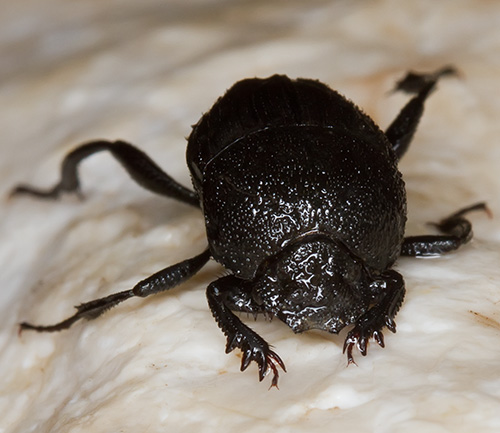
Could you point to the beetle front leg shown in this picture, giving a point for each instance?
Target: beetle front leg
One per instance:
(378, 316)
(254, 347)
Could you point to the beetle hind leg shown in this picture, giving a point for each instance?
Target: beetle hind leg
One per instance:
(139, 166)
(220, 295)
(414, 82)
(402, 129)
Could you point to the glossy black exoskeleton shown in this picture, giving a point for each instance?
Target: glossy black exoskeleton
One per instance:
(303, 204)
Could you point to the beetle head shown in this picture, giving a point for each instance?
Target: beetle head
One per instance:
(315, 283)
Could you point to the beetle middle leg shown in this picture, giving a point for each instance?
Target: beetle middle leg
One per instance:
(457, 229)
(402, 129)
(156, 283)
(378, 316)
(139, 165)
(254, 347)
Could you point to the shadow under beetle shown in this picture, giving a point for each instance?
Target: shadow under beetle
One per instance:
(303, 205)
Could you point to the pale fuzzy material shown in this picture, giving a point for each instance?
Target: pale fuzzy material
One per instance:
(145, 71)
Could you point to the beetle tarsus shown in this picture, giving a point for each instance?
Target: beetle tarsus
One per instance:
(88, 310)
(256, 349)
(457, 232)
(51, 194)
(414, 82)
(267, 361)
(348, 346)
(275, 361)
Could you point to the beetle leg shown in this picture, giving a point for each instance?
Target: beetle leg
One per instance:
(240, 299)
(457, 229)
(402, 129)
(139, 166)
(159, 282)
(254, 347)
(377, 317)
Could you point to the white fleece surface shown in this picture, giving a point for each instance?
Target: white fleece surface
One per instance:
(144, 71)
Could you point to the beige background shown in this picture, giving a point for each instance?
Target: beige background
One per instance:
(145, 71)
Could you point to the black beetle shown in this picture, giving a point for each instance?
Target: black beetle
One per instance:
(303, 205)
